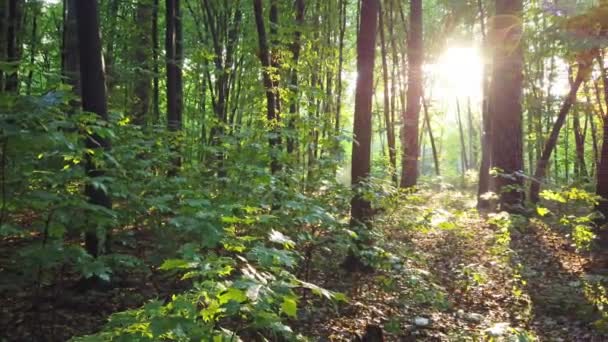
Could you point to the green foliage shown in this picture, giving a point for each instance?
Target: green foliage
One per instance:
(572, 209)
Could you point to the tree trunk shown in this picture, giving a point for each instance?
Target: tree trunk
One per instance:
(602, 173)
(70, 67)
(343, 7)
(431, 137)
(390, 132)
(505, 106)
(156, 76)
(463, 147)
(361, 150)
(33, 45)
(486, 140)
(272, 113)
(174, 71)
(296, 47)
(409, 131)
(542, 163)
(94, 100)
(13, 43)
(143, 47)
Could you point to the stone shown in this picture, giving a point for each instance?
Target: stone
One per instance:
(422, 322)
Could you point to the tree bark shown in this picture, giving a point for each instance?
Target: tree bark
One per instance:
(390, 132)
(505, 106)
(272, 113)
(602, 172)
(174, 71)
(143, 47)
(13, 43)
(156, 76)
(361, 150)
(463, 147)
(70, 67)
(94, 100)
(409, 131)
(431, 137)
(296, 47)
(486, 140)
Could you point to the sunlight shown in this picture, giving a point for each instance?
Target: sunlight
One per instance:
(457, 73)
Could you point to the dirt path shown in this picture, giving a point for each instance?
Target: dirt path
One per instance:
(464, 279)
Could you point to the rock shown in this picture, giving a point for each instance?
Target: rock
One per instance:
(498, 329)
(473, 317)
(422, 322)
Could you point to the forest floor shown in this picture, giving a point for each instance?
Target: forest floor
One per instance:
(463, 277)
(449, 275)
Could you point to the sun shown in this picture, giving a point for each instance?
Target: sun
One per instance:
(457, 73)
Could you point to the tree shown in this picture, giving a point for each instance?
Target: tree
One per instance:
(409, 131)
(13, 43)
(361, 153)
(144, 20)
(174, 65)
(272, 93)
(93, 80)
(70, 57)
(551, 142)
(505, 106)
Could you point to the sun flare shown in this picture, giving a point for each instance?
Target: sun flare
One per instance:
(457, 73)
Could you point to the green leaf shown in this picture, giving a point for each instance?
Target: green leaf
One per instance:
(542, 212)
(289, 307)
(172, 264)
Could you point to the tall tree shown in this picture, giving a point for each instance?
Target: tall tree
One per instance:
(143, 48)
(543, 162)
(484, 165)
(94, 100)
(70, 55)
(174, 64)
(361, 151)
(505, 106)
(272, 93)
(13, 43)
(409, 131)
(296, 47)
(390, 132)
(602, 172)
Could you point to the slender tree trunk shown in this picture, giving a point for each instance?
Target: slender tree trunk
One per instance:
(463, 146)
(295, 49)
(33, 45)
(541, 164)
(361, 150)
(156, 71)
(143, 47)
(409, 132)
(70, 68)
(93, 100)
(486, 140)
(110, 40)
(174, 49)
(427, 119)
(3, 38)
(272, 115)
(174, 96)
(13, 43)
(505, 106)
(472, 133)
(602, 172)
(343, 6)
(390, 132)
(579, 138)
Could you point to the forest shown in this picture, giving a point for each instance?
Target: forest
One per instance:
(304, 170)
